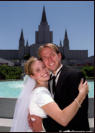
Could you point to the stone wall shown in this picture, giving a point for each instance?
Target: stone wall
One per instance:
(7, 107)
(78, 54)
(9, 54)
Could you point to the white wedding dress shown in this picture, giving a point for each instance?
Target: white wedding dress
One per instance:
(40, 96)
(30, 100)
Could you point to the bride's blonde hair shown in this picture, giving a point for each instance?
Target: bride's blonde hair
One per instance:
(27, 66)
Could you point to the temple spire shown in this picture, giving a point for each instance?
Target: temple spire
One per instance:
(44, 19)
(66, 42)
(27, 43)
(60, 43)
(21, 36)
(66, 36)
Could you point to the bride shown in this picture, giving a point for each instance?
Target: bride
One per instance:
(36, 99)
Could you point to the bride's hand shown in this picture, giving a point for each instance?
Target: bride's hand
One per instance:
(83, 88)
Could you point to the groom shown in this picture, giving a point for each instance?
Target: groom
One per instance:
(63, 91)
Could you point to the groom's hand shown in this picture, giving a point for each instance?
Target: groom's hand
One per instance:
(35, 123)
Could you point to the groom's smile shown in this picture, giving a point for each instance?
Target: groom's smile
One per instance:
(51, 59)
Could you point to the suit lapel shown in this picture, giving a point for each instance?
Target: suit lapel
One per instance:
(61, 78)
(49, 83)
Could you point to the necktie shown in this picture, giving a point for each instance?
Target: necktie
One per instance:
(54, 82)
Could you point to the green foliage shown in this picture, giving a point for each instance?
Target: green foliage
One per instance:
(88, 71)
(10, 72)
(27, 56)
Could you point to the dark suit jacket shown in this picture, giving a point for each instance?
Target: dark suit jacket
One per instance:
(66, 91)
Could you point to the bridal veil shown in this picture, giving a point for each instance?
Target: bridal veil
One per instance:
(20, 118)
